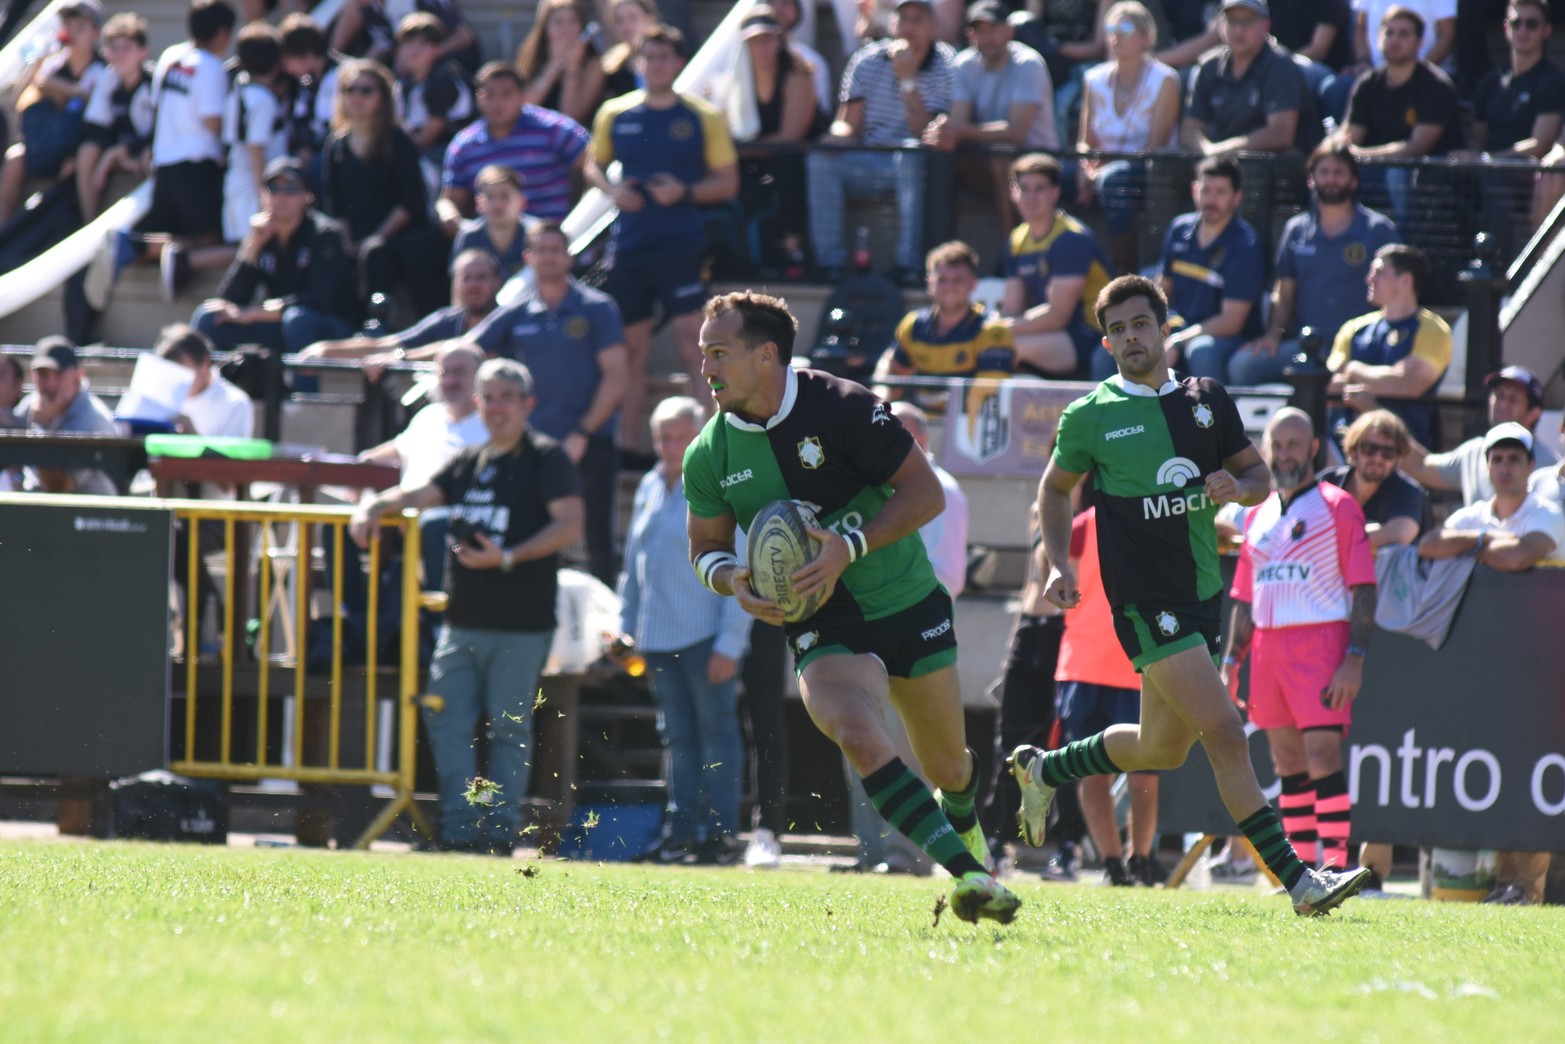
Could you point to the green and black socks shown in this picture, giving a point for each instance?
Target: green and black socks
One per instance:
(1264, 832)
(1088, 757)
(907, 804)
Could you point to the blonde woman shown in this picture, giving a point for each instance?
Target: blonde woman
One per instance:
(1129, 103)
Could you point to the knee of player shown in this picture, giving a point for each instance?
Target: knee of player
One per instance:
(953, 773)
(1226, 740)
(1165, 757)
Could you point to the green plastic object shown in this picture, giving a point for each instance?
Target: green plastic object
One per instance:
(208, 446)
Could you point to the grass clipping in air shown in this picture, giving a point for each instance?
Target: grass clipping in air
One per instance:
(130, 941)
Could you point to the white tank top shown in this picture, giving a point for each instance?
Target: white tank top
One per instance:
(1128, 132)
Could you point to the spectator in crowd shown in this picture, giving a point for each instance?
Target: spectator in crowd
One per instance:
(502, 224)
(372, 184)
(953, 337)
(1322, 263)
(61, 403)
(298, 257)
(365, 29)
(435, 435)
(1068, 33)
(560, 61)
(1249, 95)
(1001, 96)
(1548, 481)
(475, 282)
(1401, 350)
(675, 156)
(945, 536)
(515, 504)
(693, 641)
(572, 337)
(1518, 111)
(312, 67)
(1396, 510)
(1098, 688)
(1129, 103)
(1436, 36)
(118, 131)
(891, 91)
(545, 148)
(1193, 35)
(187, 155)
(1319, 31)
(1304, 606)
(1212, 271)
(1403, 110)
(1053, 267)
(433, 98)
(1515, 394)
(10, 391)
(51, 98)
(628, 19)
(787, 14)
(212, 406)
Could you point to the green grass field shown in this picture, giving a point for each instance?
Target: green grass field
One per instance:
(123, 941)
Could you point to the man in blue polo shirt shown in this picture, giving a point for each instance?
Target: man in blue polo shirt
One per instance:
(541, 145)
(1212, 272)
(1322, 263)
(571, 339)
(1054, 269)
(675, 155)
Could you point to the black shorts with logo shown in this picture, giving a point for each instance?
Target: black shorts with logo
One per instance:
(639, 283)
(1149, 633)
(909, 643)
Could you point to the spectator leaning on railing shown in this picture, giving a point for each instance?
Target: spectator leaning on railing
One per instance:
(60, 403)
(514, 506)
(1515, 394)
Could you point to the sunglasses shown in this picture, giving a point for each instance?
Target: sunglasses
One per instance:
(1376, 449)
(284, 188)
(1524, 23)
(364, 89)
(1119, 28)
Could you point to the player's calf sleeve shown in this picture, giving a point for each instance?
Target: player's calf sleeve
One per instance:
(1333, 815)
(1264, 832)
(958, 804)
(1088, 757)
(907, 804)
(1297, 804)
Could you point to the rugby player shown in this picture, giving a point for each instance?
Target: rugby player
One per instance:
(1165, 454)
(884, 629)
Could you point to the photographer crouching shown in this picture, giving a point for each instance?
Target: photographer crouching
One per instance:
(515, 503)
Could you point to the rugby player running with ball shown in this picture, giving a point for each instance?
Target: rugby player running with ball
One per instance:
(1164, 454)
(884, 627)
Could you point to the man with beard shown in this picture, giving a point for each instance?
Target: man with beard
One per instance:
(1304, 600)
(1322, 263)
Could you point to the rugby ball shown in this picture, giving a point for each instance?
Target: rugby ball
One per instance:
(779, 544)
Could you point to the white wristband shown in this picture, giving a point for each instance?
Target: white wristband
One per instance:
(709, 562)
(858, 544)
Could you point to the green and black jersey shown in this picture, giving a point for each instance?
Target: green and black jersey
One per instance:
(1150, 452)
(833, 446)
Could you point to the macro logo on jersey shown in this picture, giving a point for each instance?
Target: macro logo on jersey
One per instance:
(810, 453)
(1204, 418)
(1177, 471)
(1168, 623)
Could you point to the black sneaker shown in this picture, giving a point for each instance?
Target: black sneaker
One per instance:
(1062, 866)
(1116, 875)
(1148, 871)
(723, 850)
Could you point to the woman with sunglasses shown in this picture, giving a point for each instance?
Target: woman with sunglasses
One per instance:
(1129, 104)
(371, 182)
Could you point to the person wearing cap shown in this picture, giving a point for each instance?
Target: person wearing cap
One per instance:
(1002, 96)
(298, 257)
(1511, 531)
(50, 101)
(1249, 96)
(1515, 394)
(891, 91)
(1548, 480)
(1400, 351)
(60, 403)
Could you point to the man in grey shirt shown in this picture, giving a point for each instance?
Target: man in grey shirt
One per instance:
(61, 404)
(1249, 95)
(1001, 95)
(1515, 394)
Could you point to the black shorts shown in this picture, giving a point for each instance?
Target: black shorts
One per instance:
(187, 200)
(640, 282)
(1149, 633)
(910, 643)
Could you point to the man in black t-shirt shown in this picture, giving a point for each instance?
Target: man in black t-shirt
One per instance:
(1249, 95)
(515, 504)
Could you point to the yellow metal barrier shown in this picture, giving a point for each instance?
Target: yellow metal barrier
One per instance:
(328, 769)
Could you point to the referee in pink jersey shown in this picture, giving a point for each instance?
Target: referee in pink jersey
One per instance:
(1304, 606)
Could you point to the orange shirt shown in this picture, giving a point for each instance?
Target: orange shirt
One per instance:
(1090, 651)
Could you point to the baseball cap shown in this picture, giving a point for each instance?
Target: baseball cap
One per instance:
(91, 10)
(1522, 376)
(987, 11)
(927, 5)
(283, 167)
(1510, 431)
(761, 21)
(1260, 7)
(54, 353)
